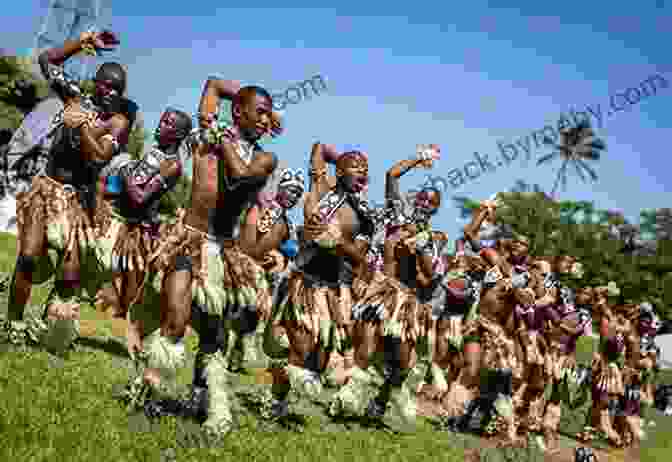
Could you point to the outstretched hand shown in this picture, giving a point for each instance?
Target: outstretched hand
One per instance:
(427, 154)
(93, 42)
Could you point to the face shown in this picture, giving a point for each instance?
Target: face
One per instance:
(353, 173)
(108, 88)
(519, 249)
(169, 130)
(564, 264)
(253, 117)
(288, 197)
(428, 202)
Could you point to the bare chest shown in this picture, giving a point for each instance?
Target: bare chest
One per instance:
(348, 220)
(205, 178)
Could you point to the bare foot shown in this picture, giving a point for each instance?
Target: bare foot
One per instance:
(63, 311)
(152, 377)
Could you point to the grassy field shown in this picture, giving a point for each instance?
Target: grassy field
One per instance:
(54, 408)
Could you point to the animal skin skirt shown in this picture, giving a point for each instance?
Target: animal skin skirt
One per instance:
(57, 206)
(225, 281)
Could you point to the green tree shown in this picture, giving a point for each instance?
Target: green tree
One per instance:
(20, 91)
(555, 229)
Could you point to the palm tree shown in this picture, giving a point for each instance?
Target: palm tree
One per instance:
(577, 145)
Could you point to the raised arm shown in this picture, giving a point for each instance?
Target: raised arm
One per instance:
(89, 41)
(424, 158)
(392, 191)
(320, 156)
(214, 91)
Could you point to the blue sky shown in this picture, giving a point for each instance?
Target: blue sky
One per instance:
(399, 76)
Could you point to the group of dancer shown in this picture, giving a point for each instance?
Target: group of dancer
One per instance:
(356, 283)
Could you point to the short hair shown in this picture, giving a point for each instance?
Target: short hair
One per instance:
(184, 118)
(245, 93)
(115, 68)
(346, 156)
(428, 189)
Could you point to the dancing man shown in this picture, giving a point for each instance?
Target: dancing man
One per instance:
(131, 232)
(59, 209)
(206, 275)
(268, 239)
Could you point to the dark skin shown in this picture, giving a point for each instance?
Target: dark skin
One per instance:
(250, 113)
(95, 145)
(214, 91)
(172, 129)
(301, 341)
(495, 258)
(128, 283)
(256, 244)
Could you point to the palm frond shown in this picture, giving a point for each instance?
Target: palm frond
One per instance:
(548, 157)
(588, 168)
(577, 168)
(562, 173)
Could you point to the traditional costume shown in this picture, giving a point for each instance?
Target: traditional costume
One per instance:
(275, 263)
(318, 294)
(63, 198)
(226, 284)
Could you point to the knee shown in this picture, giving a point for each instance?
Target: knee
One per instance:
(174, 323)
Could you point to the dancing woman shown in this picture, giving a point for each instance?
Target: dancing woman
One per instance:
(316, 307)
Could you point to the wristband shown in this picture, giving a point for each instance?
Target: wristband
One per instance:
(113, 184)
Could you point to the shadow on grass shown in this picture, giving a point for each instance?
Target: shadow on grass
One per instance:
(111, 346)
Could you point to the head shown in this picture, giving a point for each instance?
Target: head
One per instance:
(251, 111)
(352, 171)
(110, 85)
(564, 264)
(290, 188)
(428, 201)
(519, 248)
(174, 126)
(649, 323)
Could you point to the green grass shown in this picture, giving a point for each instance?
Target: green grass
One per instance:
(63, 409)
(55, 409)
